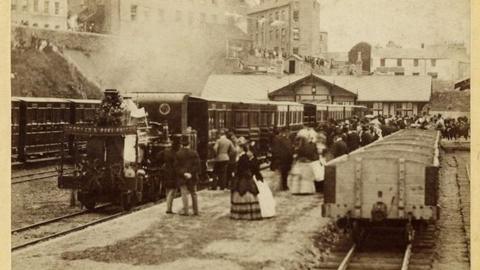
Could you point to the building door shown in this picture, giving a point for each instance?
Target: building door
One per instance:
(291, 66)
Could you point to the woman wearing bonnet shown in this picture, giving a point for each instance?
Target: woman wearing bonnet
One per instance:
(244, 200)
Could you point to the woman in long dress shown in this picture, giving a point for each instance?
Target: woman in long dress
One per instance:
(244, 200)
(302, 175)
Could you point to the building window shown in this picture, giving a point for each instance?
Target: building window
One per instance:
(46, 6)
(296, 15)
(416, 73)
(25, 6)
(277, 16)
(399, 62)
(133, 12)
(382, 62)
(433, 62)
(35, 25)
(57, 26)
(277, 34)
(270, 18)
(377, 108)
(284, 32)
(35, 5)
(295, 50)
(161, 15)
(46, 25)
(399, 73)
(433, 74)
(283, 15)
(214, 2)
(271, 35)
(57, 8)
(296, 33)
(415, 62)
(14, 5)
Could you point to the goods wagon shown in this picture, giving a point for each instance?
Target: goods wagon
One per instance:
(391, 182)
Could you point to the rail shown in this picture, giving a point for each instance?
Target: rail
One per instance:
(347, 259)
(406, 257)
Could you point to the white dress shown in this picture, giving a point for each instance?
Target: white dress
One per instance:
(265, 199)
(301, 178)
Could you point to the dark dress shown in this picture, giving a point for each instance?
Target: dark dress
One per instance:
(244, 201)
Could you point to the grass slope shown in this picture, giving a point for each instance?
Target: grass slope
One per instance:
(48, 74)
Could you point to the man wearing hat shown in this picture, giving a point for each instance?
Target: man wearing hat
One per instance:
(282, 156)
(187, 166)
(166, 159)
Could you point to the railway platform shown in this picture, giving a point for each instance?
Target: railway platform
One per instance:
(152, 239)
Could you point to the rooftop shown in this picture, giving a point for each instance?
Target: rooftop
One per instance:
(385, 88)
(249, 87)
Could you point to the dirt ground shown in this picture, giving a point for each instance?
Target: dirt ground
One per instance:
(151, 239)
(37, 201)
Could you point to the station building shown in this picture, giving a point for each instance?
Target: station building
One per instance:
(385, 95)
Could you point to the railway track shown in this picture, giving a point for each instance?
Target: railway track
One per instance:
(56, 227)
(384, 249)
(35, 176)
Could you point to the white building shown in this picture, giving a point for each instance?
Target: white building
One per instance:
(49, 14)
(441, 63)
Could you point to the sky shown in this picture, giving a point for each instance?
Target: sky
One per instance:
(408, 23)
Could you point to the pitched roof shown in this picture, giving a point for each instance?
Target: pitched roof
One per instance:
(385, 88)
(245, 87)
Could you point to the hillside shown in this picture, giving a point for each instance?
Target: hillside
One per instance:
(48, 74)
(450, 101)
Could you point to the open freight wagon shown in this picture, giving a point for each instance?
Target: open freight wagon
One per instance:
(391, 182)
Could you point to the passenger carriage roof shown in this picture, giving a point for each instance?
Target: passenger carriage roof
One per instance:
(43, 99)
(87, 101)
(151, 97)
(246, 101)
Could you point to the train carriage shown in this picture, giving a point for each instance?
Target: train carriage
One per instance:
(403, 191)
(42, 121)
(15, 129)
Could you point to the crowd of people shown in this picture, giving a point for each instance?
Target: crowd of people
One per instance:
(298, 158)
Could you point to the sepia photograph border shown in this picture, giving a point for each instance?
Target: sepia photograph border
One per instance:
(5, 169)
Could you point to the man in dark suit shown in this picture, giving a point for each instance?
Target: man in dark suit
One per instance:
(187, 166)
(339, 147)
(282, 156)
(353, 140)
(223, 148)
